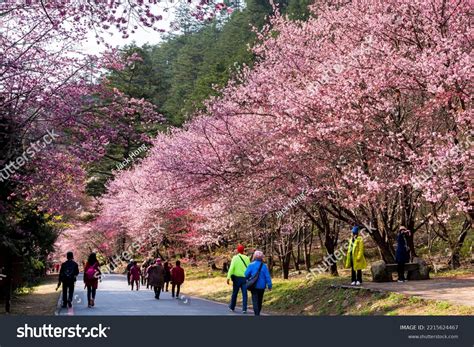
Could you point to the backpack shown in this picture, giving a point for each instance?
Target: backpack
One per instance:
(90, 273)
(252, 281)
(68, 274)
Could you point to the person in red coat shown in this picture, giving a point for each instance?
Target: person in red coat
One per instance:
(135, 275)
(177, 279)
(91, 278)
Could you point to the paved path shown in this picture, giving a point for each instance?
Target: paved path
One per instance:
(114, 298)
(458, 290)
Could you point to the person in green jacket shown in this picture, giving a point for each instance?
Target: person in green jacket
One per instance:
(236, 273)
(355, 258)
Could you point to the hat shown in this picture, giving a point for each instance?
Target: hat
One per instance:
(355, 229)
(158, 261)
(240, 249)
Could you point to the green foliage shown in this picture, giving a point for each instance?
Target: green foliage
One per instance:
(139, 80)
(29, 235)
(322, 295)
(467, 248)
(298, 9)
(179, 74)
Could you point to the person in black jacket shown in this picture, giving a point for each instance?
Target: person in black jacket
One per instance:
(167, 279)
(403, 253)
(129, 266)
(67, 277)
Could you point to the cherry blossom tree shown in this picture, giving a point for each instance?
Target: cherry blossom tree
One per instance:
(364, 108)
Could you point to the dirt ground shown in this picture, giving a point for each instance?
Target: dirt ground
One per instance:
(40, 300)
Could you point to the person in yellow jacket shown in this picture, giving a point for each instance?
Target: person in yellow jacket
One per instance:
(236, 273)
(355, 258)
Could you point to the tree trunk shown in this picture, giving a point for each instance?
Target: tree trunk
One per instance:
(307, 260)
(225, 267)
(455, 259)
(330, 248)
(295, 261)
(330, 231)
(408, 213)
(271, 260)
(298, 249)
(385, 248)
(308, 241)
(285, 251)
(285, 265)
(8, 271)
(411, 244)
(270, 264)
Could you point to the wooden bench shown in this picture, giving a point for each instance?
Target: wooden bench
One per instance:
(408, 267)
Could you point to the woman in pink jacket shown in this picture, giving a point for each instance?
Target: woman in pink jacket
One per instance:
(135, 275)
(91, 278)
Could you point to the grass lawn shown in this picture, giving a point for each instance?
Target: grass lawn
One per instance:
(452, 273)
(299, 296)
(39, 300)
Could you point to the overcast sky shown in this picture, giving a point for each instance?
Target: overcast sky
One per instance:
(141, 36)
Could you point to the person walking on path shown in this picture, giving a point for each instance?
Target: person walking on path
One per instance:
(167, 268)
(135, 275)
(156, 275)
(177, 279)
(258, 279)
(236, 273)
(146, 265)
(91, 278)
(143, 272)
(67, 277)
(129, 266)
(355, 259)
(403, 253)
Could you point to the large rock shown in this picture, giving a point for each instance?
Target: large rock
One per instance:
(422, 273)
(379, 272)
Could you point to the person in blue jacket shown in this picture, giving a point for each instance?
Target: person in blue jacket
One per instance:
(264, 280)
(403, 253)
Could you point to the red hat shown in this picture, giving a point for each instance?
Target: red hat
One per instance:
(240, 249)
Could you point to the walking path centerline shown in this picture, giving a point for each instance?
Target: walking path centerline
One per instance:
(114, 298)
